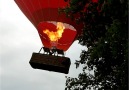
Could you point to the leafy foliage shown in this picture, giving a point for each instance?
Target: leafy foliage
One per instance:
(105, 34)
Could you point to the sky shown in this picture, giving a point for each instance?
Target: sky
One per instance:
(18, 40)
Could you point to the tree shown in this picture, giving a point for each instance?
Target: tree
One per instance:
(105, 34)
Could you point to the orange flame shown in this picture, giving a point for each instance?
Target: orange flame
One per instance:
(54, 36)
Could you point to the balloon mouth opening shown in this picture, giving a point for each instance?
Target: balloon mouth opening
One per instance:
(64, 40)
(54, 36)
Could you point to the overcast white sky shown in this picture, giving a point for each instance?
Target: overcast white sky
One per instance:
(18, 39)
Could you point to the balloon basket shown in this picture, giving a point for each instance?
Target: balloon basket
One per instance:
(50, 62)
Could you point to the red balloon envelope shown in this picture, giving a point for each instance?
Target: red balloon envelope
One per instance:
(43, 14)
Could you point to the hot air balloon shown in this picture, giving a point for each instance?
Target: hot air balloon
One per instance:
(56, 31)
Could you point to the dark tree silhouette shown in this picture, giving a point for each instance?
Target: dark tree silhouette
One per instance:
(105, 34)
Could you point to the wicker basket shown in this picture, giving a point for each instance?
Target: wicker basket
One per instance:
(50, 62)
